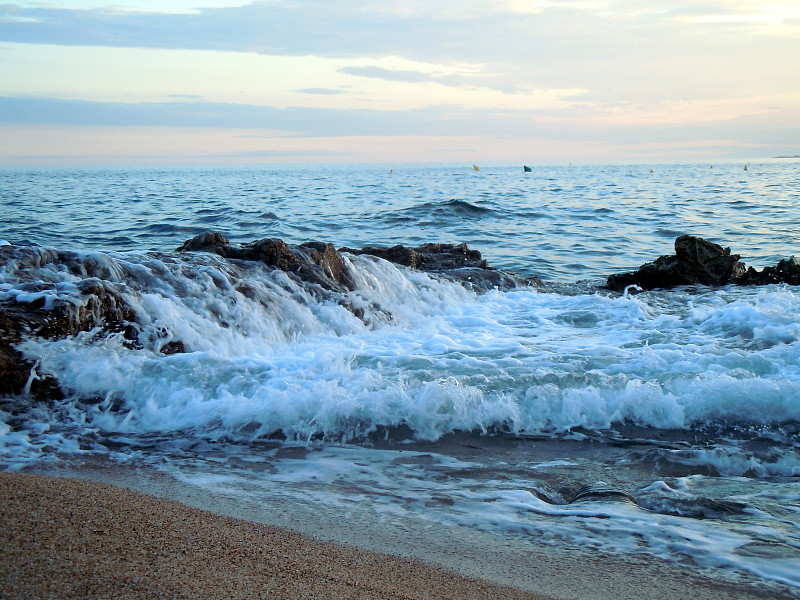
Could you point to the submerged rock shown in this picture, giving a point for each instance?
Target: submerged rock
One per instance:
(603, 492)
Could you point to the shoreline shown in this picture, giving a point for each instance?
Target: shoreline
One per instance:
(97, 529)
(65, 537)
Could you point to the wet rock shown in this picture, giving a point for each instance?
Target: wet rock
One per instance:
(399, 255)
(696, 508)
(313, 262)
(696, 261)
(175, 347)
(208, 241)
(786, 271)
(98, 304)
(453, 261)
(321, 264)
(329, 260)
(428, 257)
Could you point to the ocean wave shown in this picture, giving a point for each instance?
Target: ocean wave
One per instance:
(236, 350)
(438, 210)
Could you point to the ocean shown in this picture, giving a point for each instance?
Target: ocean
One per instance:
(662, 425)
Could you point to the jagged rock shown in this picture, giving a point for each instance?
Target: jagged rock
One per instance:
(786, 271)
(696, 261)
(99, 305)
(453, 261)
(428, 257)
(320, 263)
(313, 262)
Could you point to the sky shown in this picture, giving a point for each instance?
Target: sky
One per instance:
(167, 82)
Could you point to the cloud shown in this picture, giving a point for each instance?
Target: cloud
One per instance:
(389, 74)
(443, 121)
(566, 69)
(635, 50)
(321, 91)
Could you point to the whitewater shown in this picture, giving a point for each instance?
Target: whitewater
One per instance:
(660, 424)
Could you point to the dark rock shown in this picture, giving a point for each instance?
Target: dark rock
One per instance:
(321, 264)
(208, 241)
(428, 257)
(176, 347)
(99, 305)
(313, 262)
(696, 261)
(325, 256)
(786, 271)
(399, 255)
(14, 370)
(452, 261)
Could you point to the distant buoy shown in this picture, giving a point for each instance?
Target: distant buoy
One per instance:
(391, 170)
(476, 167)
(745, 167)
(526, 168)
(651, 170)
(712, 166)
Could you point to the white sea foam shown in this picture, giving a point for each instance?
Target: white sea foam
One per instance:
(274, 355)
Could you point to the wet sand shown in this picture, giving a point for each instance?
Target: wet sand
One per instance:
(70, 538)
(82, 538)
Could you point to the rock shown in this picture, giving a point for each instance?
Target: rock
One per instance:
(399, 255)
(696, 261)
(428, 257)
(313, 262)
(99, 304)
(786, 271)
(208, 241)
(452, 261)
(321, 264)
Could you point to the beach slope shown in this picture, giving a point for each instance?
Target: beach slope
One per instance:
(70, 538)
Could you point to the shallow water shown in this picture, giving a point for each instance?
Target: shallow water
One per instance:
(662, 424)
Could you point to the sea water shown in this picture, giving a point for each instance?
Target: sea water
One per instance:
(661, 424)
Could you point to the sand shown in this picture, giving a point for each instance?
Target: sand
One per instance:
(70, 538)
(87, 538)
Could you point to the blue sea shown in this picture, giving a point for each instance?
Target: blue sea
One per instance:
(661, 426)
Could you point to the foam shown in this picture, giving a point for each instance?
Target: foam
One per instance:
(428, 354)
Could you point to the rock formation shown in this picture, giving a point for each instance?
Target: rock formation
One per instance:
(319, 263)
(99, 302)
(699, 262)
(312, 262)
(456, 262)
(97, 305)
(786, 271)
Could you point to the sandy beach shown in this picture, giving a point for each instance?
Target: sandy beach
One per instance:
(68, 538)
(80, 538)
